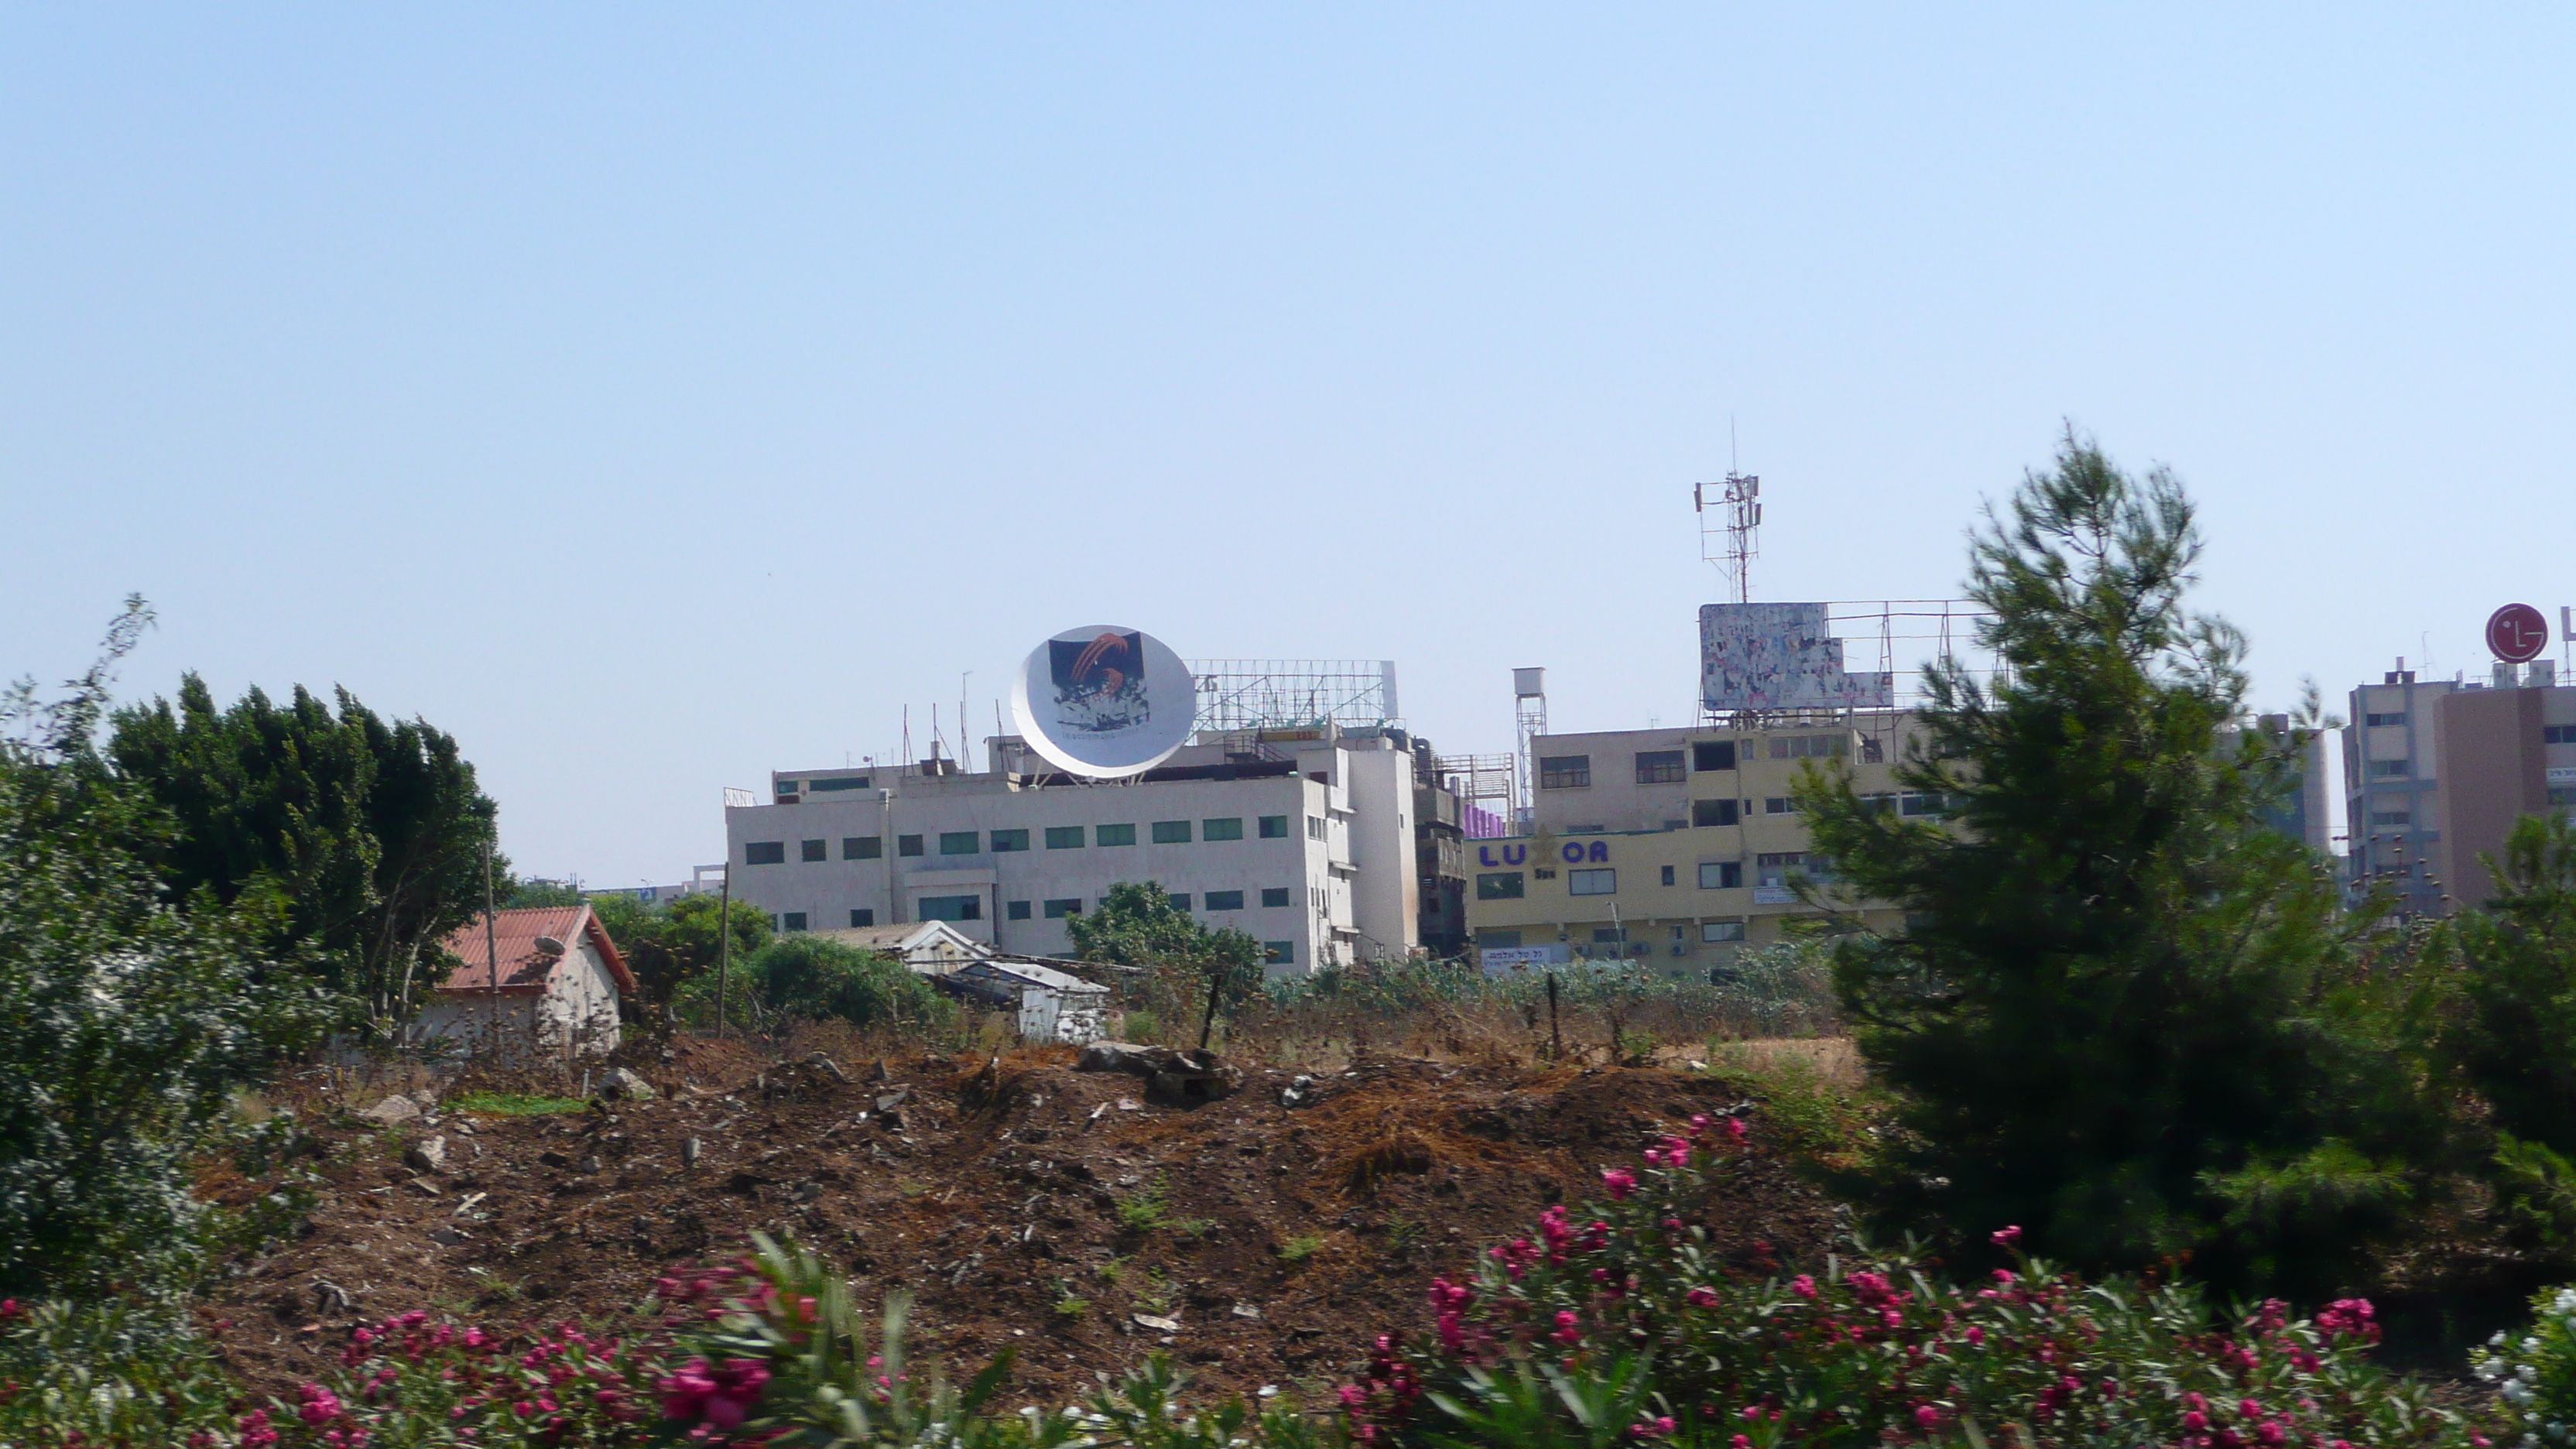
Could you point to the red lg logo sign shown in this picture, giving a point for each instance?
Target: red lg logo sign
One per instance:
(2517, 633)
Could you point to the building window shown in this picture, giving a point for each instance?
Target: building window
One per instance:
(843, 782)
(1713, 755)
(2387, 768)
(907, 845)
(863, 916)
(952, 908)
(1776, 868)
(1564, 772)
(862, 847)
(1499, 885)
(1005, 840)
(1716, 931)
(1668, 875)
(2558, 734)
(1225, 900)
(1278, 953)
(1180, 900)
(792, 921)
(1609, 936)
(1810, 747)
(1274, 896)
(1065, 837)
(1171, 832)
(1016, 910)
(1228, 828)
(1659, 767)
(1113, 835)
(1592, 882)
(2376, 720)
(786, 788)
(812, 850)
(1922, 802)
(1274, 827)
(2562, 795)
(1779, 805)
(1721, 875)
(1712, 812)
(1314, 827)
(764, 852)
(1058, 910)
(957, 842)
(2392, 817)
(1498, 939)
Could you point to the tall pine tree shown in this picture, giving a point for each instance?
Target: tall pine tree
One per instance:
(2118, 1017)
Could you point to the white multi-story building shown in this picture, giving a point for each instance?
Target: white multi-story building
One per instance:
(1305, 843)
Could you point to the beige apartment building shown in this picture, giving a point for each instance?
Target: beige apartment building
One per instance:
(2436, 772)
(1671, 847)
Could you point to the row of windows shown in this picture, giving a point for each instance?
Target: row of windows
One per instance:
(2376, 720)
(1664, 767)
(1713, 932)
(2558, 734)
(1004, 842)
(1771, 868)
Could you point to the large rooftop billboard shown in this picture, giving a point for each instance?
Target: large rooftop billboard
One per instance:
(1778, 656)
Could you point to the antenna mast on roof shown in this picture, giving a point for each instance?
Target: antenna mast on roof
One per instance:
(1730, 511)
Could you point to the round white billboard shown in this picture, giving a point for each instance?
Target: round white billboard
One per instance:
(1105, 702)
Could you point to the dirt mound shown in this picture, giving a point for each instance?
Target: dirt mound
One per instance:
(1022, 1202)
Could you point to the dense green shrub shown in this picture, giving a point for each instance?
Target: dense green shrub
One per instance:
(108, 1374)
(670, 944)
(2118, 1013)
(125, 1023)
(808, 978)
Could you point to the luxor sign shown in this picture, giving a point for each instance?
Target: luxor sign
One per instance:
(1573, 852)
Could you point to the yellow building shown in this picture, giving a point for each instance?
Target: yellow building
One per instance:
(1673, 847)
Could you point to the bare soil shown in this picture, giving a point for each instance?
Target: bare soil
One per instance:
(992, 1190)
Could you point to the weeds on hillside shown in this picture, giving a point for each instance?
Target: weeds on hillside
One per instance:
(514, 1104)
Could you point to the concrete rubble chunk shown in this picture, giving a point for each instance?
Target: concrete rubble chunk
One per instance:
(1159, 1325)
(427, 1155)
(621, 1083)
(393, 1109)
(1177, 1077)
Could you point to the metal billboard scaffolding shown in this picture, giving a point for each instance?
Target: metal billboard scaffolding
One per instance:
(1902, 635)
(1258, 694)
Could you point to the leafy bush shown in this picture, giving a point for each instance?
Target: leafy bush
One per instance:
(1622, 1321)
(807, 978)
(126, 1024)
(669, 945)
(414, 1380)
(2535, 1375)
(108, 1375)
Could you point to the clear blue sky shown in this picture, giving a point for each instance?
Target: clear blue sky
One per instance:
(654, 396)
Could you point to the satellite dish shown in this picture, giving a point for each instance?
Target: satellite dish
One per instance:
(549, 946)
(1104, 701)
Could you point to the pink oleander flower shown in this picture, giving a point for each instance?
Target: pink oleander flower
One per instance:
(1926, 1416)
(2006, 1237)
(1738, 1128)
(1569, 1328)
(1803, 1285)
(1619, 1182)
(1701, 1297)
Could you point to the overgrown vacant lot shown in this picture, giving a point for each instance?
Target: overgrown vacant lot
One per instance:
(1023, 1203)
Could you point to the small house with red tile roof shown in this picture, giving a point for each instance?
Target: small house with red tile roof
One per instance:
(541, 981)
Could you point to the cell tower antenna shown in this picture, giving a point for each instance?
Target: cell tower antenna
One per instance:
(1730, 513)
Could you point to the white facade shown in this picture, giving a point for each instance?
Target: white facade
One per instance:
(1306, 845)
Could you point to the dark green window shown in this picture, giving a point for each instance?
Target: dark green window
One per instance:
(1713, 755)
(952, 908)
(957, 842)
(844, 782)
(793, 921)
(813, 850)
(1274, 827)
(1004, 840)
(907, 845)
(862, 916)
(1274, 895)
(1279, 953)
(1113, 835)
(1016, 910)
(1712, 812)
(1171, 832)
(1058, 910)
(1180, 900)
(1065, 837)
(1225, 900)
(1228, 828)
(764, 852)
(862, 847)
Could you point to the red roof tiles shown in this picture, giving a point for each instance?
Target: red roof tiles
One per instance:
(523, 969)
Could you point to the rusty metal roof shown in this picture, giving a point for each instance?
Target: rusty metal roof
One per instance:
(522, 968)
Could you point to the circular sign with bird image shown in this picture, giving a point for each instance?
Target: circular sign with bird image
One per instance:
(1104, 702)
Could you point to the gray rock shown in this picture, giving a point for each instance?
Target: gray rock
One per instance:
(427, 1155)
(622, 1083)
(393, 1109)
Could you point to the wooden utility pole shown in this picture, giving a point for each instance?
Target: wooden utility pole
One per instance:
(724, 943)
(491, 945)
(1556, 1041)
